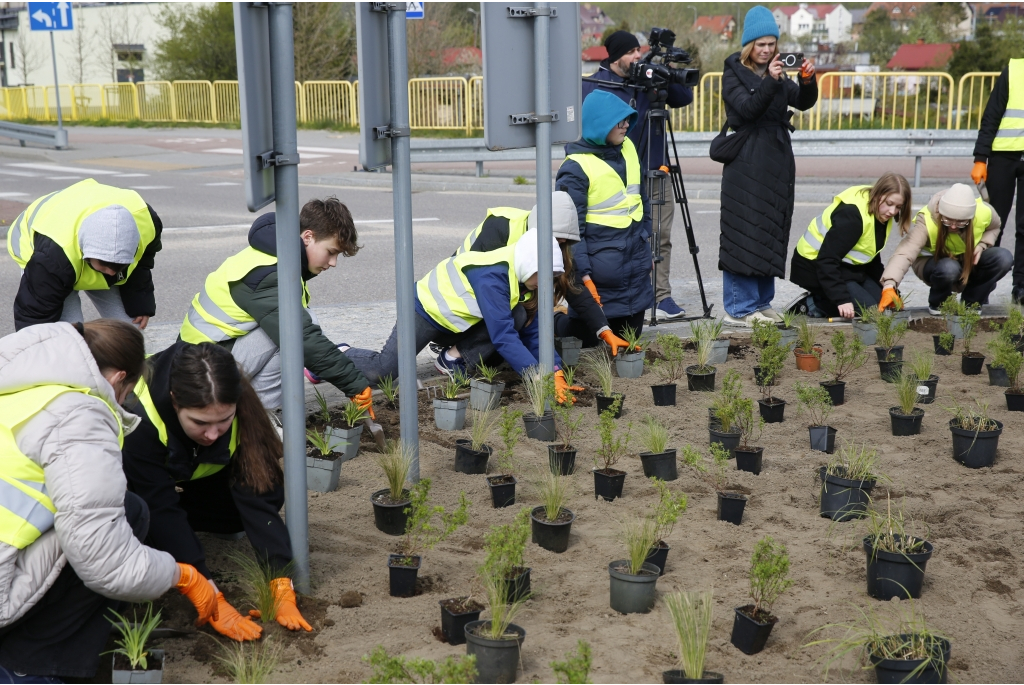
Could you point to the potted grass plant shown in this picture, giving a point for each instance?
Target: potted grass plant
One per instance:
(787, 329)
(485, 390)
(971, 363)
(951, 310)
(504, 547)
(345, 438)
(891, 330)
(700, 377)
(598, 363)
(471, 455)
(669, 369)
(666, 512)
(725, 432)
(133, 662)
(551, 522)
(539, 389)
(846, 482)
(323, 464)
(390, 504)
(389, 391)
(711, 330)
(864, 326)
(250, 662)
(848, 355)
(1012, 361)
(450, 408)
(562, 456)
(629, 363)
(906, 416)
(769, 578)
(975, 435)
(807, 350)
(633, 580)
(569, 349)
(818, 405)
(658, 460)
(896, 558)
(503, 485)
(748, 456)
(692, 614)
(496, 642)
(427, 525)
(608, 480)
(921, 368)
(712, 470)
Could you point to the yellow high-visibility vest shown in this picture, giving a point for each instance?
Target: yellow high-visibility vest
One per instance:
(865, 249)
(610, 202)
(26, 510)
(146, 400)
(213, 315)
(447, 296)
(1010, 136)
(59, 215)
(954, 243)
(517, 224)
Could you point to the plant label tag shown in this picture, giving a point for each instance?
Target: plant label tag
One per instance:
(922, 390)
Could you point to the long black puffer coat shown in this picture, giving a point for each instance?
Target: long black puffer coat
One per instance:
(757, 186)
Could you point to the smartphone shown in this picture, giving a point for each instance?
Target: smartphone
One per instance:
(791, 60)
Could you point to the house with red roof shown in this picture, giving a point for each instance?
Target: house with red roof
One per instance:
(593, 22)
(827, 23)
(921, 56)
(901, 14)
(721, 25)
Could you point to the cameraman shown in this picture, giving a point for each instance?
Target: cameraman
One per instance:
(623, 50)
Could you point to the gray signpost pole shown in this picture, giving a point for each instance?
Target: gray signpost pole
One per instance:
(56, 87)
(401, 189)
(286, 191)
(542, 108)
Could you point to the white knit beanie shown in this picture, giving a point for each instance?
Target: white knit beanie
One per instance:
(565, 222)
(958, 203)
(526, 256)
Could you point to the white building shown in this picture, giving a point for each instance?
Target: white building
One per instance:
(826, 23)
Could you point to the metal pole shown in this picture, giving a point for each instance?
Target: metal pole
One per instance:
(56, 85)
(917, 172)
(289, 293)
(542, 109)
(401, 192)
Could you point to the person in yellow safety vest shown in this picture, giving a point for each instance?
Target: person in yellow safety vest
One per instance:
(492, 291)
(88, 237)
(71, 535)
(999, 159)
(206, 458)
(951, 247)
(838, 257)
(237, 307)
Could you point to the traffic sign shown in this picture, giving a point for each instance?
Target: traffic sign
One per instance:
(414, 10)
(50, 16)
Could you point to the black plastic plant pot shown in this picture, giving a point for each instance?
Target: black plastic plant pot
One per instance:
(729, 441)
(939, 349)
(403, 578)
(661, 465)
(469, 460)
(894, 353)
(632, 593)
(895, 575)
(906, 424)
(773, 411)
(608, 484)
(562, 462)
(605, 402)
(971, 365)
(975, 449)
(836, 391)
(1014, 401)
(730, 507)
(844, 499)
(664, 395)
(677, 675)
(540, 428)
(552, 535)
(823, 438)
(389, 517)
(748, 634)
(659, 555)
(890, 371)
(892, 671)
(749, 459)
(759, 378)
(997, 376)
(503, 492)
(700, 382)
(517, 587)
(453, 623)
(496, 660)
(932, 384)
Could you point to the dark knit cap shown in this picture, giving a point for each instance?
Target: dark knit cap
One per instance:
(619, 43)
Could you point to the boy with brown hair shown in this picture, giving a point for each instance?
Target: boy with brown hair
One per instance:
(237, 306)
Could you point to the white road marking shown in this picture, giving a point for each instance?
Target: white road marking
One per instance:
(225, 151)
(204, 228)
(389, 221)
(131, 175)
(329, 150)
(6, 195)
(62, 178)
(223, 183)
(150, 187)
(67, 169)
(233, 151)
(25, 174)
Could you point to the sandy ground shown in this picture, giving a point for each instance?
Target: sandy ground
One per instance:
(972, 589)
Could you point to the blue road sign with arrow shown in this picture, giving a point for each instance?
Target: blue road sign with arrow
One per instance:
(413, 10)
(50, 16)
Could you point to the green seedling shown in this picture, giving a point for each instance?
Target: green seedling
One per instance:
(692, 614)
(250, 662)
(576, 667)
(429, 525)
(320, 440)
(769, 574)
(395, 463)
(399, 669)
(849, 354)
(598, 362)
(613, 447)
(134, 635)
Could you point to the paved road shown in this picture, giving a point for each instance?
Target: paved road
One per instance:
(193, 179)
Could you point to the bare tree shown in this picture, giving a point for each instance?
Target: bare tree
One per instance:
(445, 25)
(29, 57)
(325, 41)
(118, 28)
(77, 45)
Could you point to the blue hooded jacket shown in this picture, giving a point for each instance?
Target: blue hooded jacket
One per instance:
(618, 260)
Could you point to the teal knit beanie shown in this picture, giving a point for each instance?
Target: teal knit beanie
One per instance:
(759, 23)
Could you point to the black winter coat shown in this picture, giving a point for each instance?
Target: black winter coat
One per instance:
(757, 187)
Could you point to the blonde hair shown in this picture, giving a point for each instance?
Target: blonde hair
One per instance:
(748, 49)
(885, 186)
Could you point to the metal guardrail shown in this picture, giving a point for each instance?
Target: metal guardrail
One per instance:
(472, 150)
(34, 134)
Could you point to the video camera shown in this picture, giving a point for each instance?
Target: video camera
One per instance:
(647, 74)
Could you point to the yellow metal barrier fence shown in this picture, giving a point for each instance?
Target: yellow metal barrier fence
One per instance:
(978, 86)
(329, 101)
(225, 102)
(475, 103)
(892, 100)
(193, 101)
(439, 103)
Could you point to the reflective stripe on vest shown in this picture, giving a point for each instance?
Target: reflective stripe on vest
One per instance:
(610, 202)
(213, 315)
(517, 220)
(1010, 136)
(59, 216)
(26, 510)
(146, 400)
(866, 247)
(955, 244)
(447, 296)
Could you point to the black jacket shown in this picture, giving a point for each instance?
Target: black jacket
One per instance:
(991, 119)
(757, 187)
(829, 274)
(154, 469)
(49, 278)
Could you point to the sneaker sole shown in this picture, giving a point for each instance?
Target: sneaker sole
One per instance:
(663, 316)
(442, 369)
(310, 378)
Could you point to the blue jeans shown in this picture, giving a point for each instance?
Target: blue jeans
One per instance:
(743, 295)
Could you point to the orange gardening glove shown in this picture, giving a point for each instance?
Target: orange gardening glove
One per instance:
(805, 70)
(614, 341)
(287, 612)
(889, 298)
(979, 173)
(193, 585)
(232, 624)
(364, 400)
(562, 389)
(593, 290)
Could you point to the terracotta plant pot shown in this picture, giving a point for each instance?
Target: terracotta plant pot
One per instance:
(808, 361)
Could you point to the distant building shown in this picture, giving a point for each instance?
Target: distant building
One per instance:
(857, 23)
(593, 22)
(461, 60)
(721, 25)
(901, 14)
(996, 14)
(921, 56)
(825, 23)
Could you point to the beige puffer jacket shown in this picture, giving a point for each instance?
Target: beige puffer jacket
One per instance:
(908, 252)
(74, 439)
